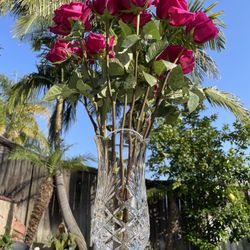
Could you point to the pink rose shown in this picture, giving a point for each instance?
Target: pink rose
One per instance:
(203, 28)
(68, 12)
(176, 11)
(185, 57)
(128, 4)
(60, 51)
(94, 43)
(110, 6)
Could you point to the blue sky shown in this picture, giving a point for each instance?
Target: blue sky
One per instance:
(17, 59)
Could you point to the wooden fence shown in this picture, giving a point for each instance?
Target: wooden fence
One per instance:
(19, 181)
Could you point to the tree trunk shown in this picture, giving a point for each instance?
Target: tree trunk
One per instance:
(173, 223)
(61, 191)
(41, 204)
(67, 213)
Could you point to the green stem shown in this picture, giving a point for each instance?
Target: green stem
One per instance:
(121, 144)
(142, 110)
(136, 57)
(107, 26)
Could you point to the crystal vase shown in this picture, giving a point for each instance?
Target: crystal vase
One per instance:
(120, 214)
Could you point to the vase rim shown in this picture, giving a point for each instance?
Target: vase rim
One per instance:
(137, 134)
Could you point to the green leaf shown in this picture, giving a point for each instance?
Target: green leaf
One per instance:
(67, 92)
(151, 30)
(53, 92)
(151, 80)
(130, 41)
(176, 79)
(125, 59)
(193, 101)
(155, 49)
(83, 88)
(162, 66)
(130, 82)
(73, 80)
(115, 67)
(126, 30)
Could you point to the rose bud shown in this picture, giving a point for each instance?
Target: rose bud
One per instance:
(111, 47)
(59, 52)
(203, 28)
(94, 44)
(185, 57)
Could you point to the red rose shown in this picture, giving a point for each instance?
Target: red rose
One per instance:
(176, 11)
(68, 12)
(94, 43)
(128, 4)
(129, 18)
(145, 17)
(111, 6)
(185, 57)
(203, 28)
(59, 52)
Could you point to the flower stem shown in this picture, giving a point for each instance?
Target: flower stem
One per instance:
(138, 128)
(107, 26)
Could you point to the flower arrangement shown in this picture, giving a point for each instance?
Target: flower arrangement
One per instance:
(129, 61)
(135, 55)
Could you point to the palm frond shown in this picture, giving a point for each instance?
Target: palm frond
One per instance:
(32, 15)
(24, 25)
(30, 88)
(226, 100)
(196, 5)
(21, 153)
(205, 66)
(69, 114)
(77, 163)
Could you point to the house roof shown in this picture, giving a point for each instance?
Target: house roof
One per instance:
(6, 142)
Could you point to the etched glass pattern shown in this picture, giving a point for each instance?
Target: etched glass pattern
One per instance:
(120, 215)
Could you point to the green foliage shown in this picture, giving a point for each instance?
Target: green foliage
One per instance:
(49, 158)
(130, 40)
(63, 241)
(6, 242)
(193, 102)
(209, 170)
(151, 80)
(155, 49)
(18, 122)
(151, 29)
(228, 101)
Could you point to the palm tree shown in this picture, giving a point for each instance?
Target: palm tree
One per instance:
(52, 160)
(19, 124)
(33, 16)
(63, 114)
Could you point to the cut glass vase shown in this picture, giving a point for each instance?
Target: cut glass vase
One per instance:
(120, 214)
